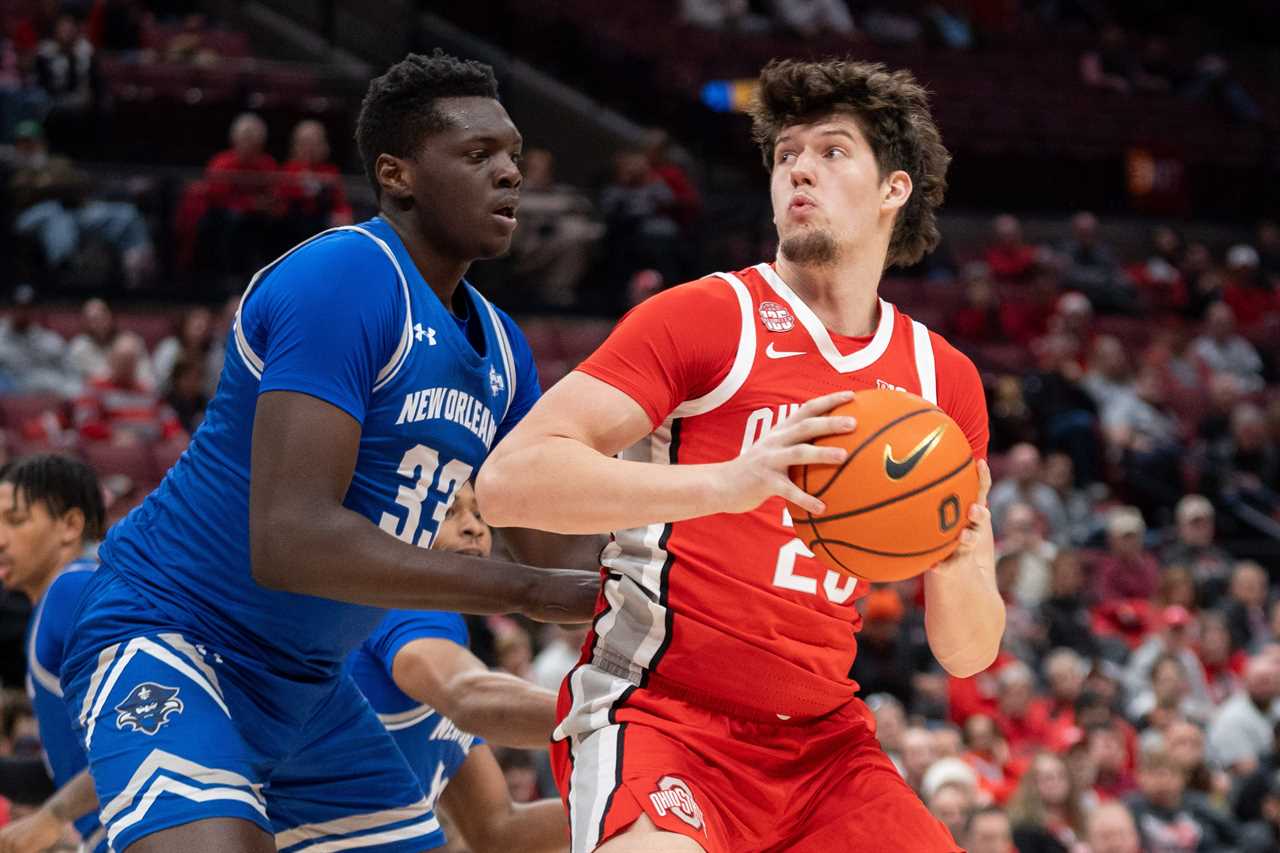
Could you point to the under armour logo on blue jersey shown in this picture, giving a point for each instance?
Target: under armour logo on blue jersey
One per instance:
(419, 333)
(148, 707)
(495, 381)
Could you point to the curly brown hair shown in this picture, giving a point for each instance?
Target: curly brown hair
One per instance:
(893, 111)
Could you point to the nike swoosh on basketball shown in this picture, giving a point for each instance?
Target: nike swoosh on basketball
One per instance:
(775, 353)
(897, 469)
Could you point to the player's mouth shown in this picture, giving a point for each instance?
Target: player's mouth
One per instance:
(505, 212)
(472, 552)
(801, 203)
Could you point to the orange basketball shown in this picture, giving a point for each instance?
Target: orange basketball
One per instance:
(897, 505)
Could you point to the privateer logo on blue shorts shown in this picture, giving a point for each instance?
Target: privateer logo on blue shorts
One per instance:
(148, 707)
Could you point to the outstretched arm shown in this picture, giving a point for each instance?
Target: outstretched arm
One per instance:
(302, 538)
(44, 827)
(477, 801)
(499, 707)
(556, 470)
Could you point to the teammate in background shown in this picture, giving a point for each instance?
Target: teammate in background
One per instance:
(440, 703)
(364, 382)
(50, 514)
(713, 707)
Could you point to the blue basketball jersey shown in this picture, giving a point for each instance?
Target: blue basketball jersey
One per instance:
(47, 634)
(347, 318)
(434, 747)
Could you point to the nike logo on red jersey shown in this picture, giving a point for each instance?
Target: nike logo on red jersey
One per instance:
(776, 353)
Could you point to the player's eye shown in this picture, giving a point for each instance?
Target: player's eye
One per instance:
(783, 155)
(517, 158)
(478, 156)
(833, 153)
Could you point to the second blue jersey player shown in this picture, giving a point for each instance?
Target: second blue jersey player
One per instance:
(364, 382)
(435, 697)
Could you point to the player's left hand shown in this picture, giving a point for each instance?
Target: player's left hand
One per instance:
(977, 549)
(38, 831)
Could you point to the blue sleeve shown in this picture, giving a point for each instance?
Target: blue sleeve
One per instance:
(58, 607)
(327, 320)
(528, 388)
(401, 627)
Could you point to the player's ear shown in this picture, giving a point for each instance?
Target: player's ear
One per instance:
(394, 178)
(895, 190)
(71, 526)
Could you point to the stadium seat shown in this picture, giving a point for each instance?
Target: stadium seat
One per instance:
(135, 461)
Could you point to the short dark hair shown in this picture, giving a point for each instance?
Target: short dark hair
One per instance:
(893, 111)
(62, 484)
(399, 109)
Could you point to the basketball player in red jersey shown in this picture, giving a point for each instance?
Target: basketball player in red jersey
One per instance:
(712, 708)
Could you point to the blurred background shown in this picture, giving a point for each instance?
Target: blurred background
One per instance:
(1110, 261)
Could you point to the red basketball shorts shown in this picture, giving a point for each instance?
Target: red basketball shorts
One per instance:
(737, 786)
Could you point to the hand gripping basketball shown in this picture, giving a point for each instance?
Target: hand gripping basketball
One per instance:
(761, 472)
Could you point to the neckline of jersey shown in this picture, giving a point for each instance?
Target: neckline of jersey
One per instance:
(859, 359)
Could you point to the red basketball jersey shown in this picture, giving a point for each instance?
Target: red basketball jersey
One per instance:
(732, 610)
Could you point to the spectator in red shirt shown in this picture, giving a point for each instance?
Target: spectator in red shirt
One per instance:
(1108, 753)
(119, 407)
(238, 229)
(688, 202)
(1127, 570)
(989, 755)
(311, 194)
(1223, 665)
(1023, 719)
(1249, 293)
(1010, 257)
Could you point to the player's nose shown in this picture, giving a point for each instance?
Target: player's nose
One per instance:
(509, 176)
(802, 171)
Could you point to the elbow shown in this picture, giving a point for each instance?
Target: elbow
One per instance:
(968, 664)
(492, 498)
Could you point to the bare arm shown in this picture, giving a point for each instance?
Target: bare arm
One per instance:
(499, 707)
(477, 801)
(302, 539)
(556, 470)
(964, 614)
(44, 827)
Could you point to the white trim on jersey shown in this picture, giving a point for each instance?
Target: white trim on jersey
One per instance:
(634, 627)
(591, 785)
(47, 679)
(254, 362)
(508, 355)
(414, 830)
(742, 361)
(925, 364)
(405, 719)
(854, 361)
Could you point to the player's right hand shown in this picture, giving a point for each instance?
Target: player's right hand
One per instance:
(763, 470)
(31, 834)
(561, 595)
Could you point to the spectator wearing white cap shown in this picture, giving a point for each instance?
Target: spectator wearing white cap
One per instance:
(1194, 548)
(1127, 570)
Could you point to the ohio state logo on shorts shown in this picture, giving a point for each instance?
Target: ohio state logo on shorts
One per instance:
(776, 318)
(673, 796)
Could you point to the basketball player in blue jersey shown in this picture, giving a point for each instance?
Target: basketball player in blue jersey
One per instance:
(364, 382)
(441, 703)
(50, 514)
